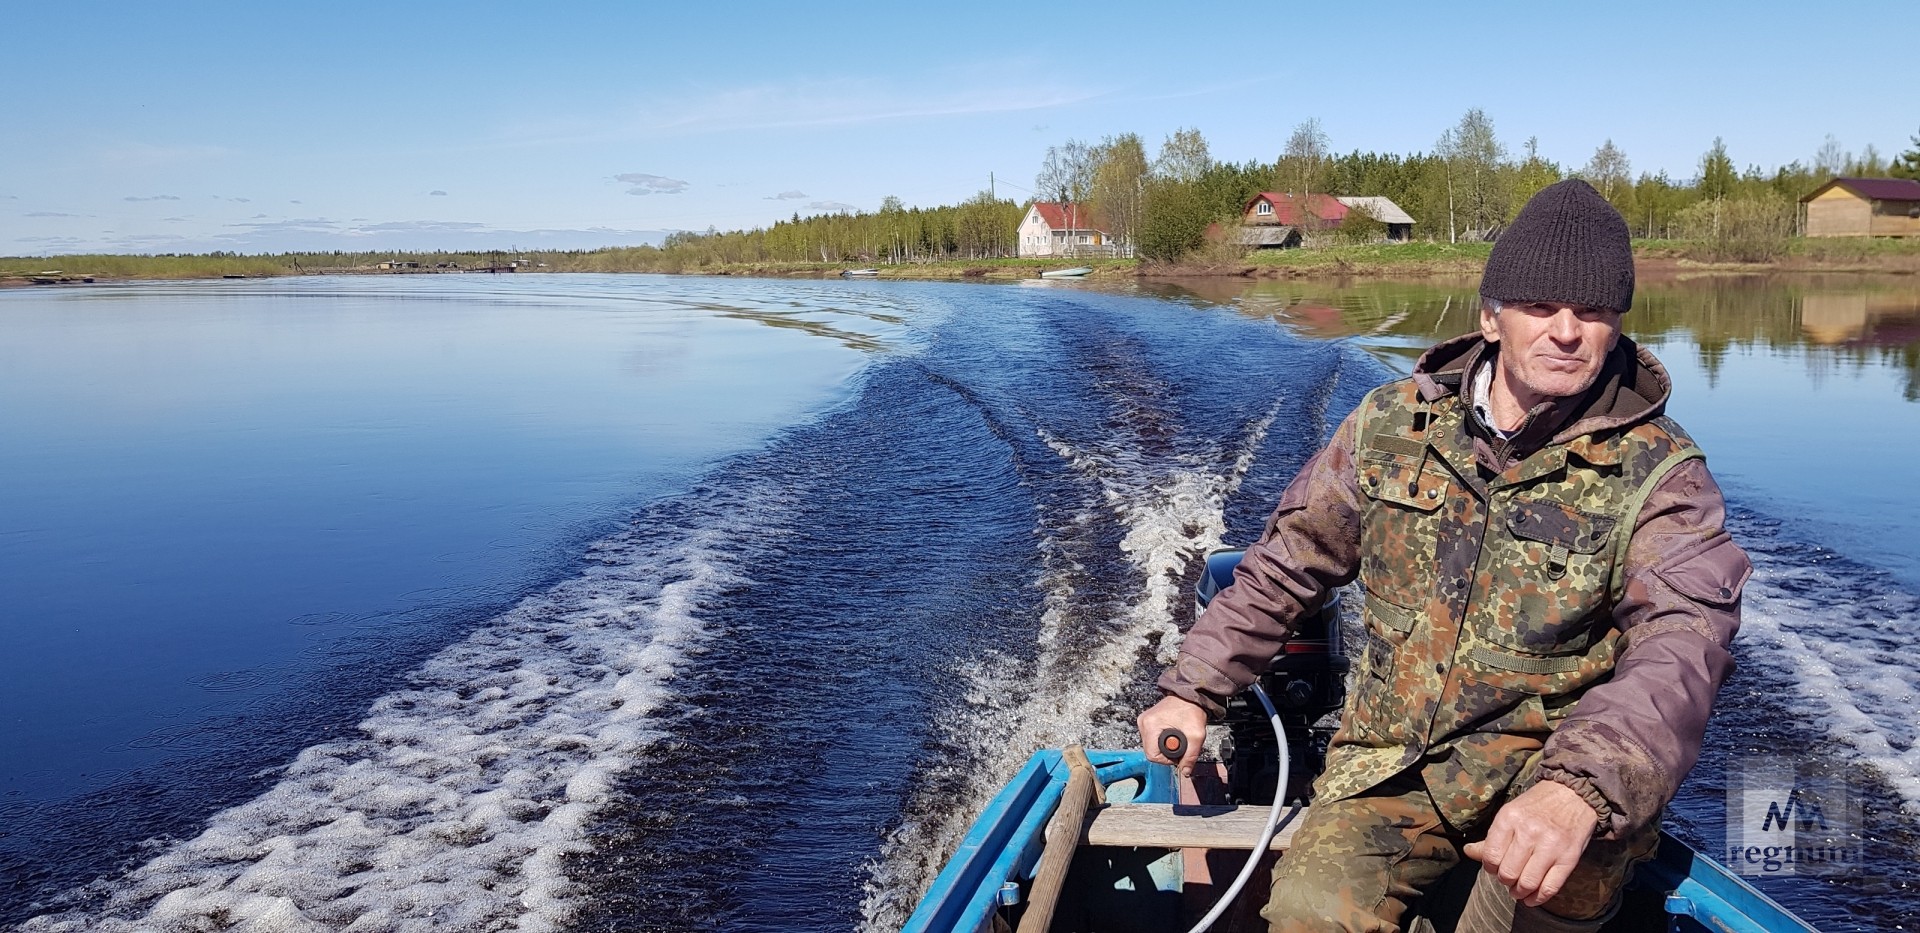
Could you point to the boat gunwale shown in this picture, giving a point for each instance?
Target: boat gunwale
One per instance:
(998, 849)
(965, 893)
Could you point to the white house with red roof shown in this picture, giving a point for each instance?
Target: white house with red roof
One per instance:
(1054, 229)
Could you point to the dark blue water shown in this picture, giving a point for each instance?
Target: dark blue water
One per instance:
(726, 626)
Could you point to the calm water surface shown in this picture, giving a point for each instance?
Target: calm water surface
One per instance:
(478, 603)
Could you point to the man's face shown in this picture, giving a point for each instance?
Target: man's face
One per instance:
(1550, 349)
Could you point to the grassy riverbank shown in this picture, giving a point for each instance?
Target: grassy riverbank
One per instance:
(1656, 257)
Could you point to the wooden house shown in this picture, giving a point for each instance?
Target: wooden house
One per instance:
(1399, 223)
(1053, 229)
(1274, 220)
(1863, 207)
(1310, 213)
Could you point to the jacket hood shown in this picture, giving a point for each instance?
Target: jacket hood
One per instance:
(1632, 387)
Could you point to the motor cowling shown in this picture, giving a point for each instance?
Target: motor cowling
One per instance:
(1307, 683)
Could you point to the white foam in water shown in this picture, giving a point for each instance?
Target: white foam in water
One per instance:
(459, 802)
(1848, 653)
(1173, 514)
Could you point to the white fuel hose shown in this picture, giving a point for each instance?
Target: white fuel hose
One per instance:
(1273, 819)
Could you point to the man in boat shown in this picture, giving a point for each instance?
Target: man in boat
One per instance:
(1549, 598)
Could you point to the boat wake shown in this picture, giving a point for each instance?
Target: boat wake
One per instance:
(1841, 634)
(462, 797)
(1089, 655)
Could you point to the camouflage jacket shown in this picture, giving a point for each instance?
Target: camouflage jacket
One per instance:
(1569, 590)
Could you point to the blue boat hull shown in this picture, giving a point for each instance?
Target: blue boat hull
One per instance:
(988, 876)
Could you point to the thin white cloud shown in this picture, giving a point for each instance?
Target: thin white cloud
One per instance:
(643, 183)
(422, 226)
(437, 193)
(52, 214)
(785, 196)
(47, 245)
(157, 197)
(830, 206)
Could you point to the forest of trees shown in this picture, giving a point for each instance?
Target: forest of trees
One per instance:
(1469, 184)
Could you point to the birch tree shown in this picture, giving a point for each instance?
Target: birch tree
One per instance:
(1119, 185)
(1066, 175)
(1608, 171)
(1183, 157)
(1476, 182)
(1304, 162)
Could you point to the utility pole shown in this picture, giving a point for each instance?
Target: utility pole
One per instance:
(991, 193)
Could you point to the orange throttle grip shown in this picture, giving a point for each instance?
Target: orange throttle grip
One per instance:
(1173, 745)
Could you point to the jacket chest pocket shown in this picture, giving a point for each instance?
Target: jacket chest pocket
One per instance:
(1379, 704)
(1402, 523)
(1548, 577)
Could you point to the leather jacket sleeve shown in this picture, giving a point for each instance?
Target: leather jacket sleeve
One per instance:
(1310, 547)
(1631, 740)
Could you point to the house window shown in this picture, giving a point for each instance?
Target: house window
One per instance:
(1264, 208)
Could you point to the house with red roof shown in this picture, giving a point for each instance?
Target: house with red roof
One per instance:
(1308, 213)
(1054, 229)
(1863, 207)
(1274, 219)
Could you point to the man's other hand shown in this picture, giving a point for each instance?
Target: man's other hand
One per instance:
(1535, 841)
(1174, 713)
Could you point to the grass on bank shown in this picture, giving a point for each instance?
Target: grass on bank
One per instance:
(1376, 258)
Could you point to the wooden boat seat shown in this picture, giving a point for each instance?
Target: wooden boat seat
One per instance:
(1185, 826)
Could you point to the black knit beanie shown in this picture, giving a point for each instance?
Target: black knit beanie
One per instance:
(1568, 244)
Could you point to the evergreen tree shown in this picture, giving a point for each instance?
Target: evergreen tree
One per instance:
(1907, 164)
(1716, 171)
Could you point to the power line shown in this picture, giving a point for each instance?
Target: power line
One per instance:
(1012, 185)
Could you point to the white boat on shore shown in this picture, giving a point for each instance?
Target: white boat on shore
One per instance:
(858, 273)
(1073, 273)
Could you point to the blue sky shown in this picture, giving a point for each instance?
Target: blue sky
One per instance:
(195, 126)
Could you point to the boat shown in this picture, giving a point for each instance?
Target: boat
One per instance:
(1073, 273)
(852, 273)
(1104, 840)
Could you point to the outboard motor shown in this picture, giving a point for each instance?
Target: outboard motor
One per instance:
(1307, 682)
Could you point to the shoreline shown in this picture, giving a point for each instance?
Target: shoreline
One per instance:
(1653, 259)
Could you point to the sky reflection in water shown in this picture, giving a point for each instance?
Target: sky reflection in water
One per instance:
(266, 481)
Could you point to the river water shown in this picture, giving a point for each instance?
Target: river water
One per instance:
(627, 602)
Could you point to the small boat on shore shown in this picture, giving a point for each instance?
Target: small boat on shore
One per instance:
(858, 273)
(1090, 840)
(1073, 273)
